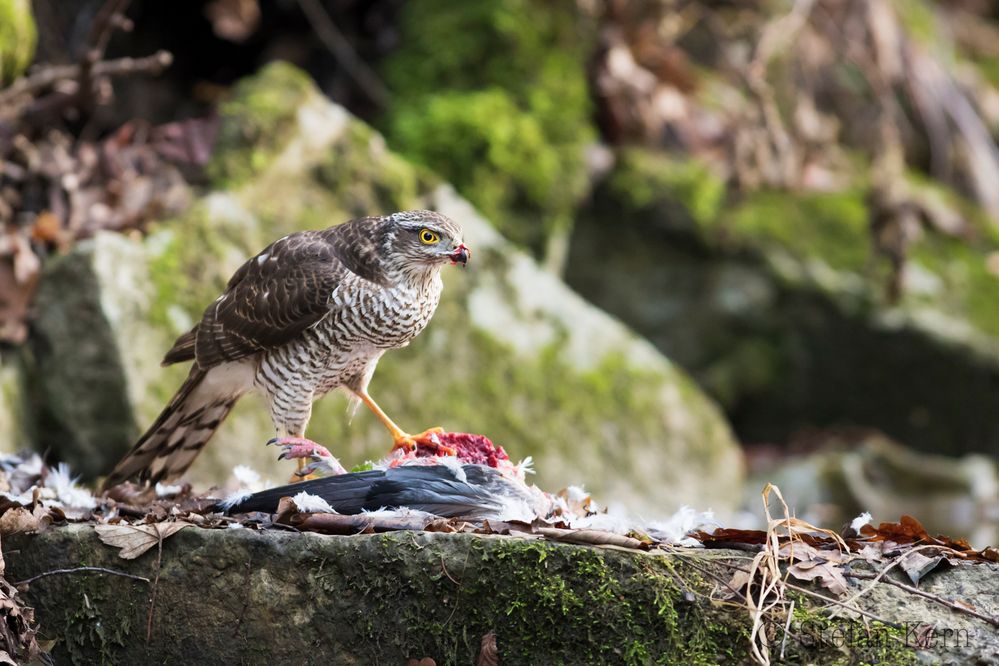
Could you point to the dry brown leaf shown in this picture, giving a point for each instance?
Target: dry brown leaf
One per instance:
(17, 520)
(589, 537)
(916, 565)
(740, 580)
(134, 540)
(829, 574)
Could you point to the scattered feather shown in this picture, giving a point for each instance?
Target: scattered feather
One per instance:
(454, 465)
(66, 494)
(233, 499)
(308, 503)
(165, 490)
(677, 528)
(247, 476)
(863, 519)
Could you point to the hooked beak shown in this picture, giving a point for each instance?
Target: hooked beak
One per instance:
(460, 255)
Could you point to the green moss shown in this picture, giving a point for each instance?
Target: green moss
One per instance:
(95, 630)
(567, 604)
(852, 641)
(830, 226)
(18, 38)
(363, 185)
(920, 20)
(644, 179)
(401, 595)
(989, 67)
(489, 149)
(503, 112)
(257, 122)
(969, 289)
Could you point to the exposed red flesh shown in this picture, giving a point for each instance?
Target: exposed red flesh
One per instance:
(471, 449)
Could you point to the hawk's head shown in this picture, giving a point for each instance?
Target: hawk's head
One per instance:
(427, 237)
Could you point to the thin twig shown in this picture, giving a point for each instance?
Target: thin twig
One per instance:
(787, 629)
(444, 569)
(109, 17)
(152, 596)
(152, 64)
(341, 49)
(837, 602)
(75, 570)
(710, 574)
(994, 621)
(891, 565)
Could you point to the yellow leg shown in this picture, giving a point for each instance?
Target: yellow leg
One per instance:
(400, 438)
(397, 432)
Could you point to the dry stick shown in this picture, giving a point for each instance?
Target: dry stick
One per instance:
(891, 565)
(152, 64)
(876, 578)
(156, 584)
(710, 574)
(787, 629)
(110, 16)
(338, 45)
(74, 570)
(837, 602)
(938, 599)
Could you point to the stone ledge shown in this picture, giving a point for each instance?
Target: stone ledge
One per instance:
(243, 596)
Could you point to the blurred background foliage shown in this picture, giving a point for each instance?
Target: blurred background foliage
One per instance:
(796, 201)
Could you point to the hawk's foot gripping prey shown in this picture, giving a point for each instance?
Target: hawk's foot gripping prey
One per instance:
(428, 440)
(403, 440)
(314, 311)
(312, 458)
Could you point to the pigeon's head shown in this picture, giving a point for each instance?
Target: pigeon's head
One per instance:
(427, 237)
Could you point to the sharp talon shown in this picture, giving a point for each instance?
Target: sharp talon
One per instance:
(273, 440)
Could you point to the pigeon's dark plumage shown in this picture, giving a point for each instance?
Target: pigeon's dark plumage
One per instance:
(474, 491)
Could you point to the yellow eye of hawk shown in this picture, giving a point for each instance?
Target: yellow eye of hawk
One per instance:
(428, 237)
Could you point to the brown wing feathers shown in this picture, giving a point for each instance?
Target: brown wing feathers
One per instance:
(272, 298)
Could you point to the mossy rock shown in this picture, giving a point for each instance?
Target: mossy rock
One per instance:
(511, 352)
(503, 112)
(775, 301)
(18, 38)
(241, 596)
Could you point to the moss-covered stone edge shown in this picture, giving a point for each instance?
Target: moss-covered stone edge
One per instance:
(388, 597)
(818, 240)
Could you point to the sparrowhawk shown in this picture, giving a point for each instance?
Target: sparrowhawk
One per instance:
(314, 311)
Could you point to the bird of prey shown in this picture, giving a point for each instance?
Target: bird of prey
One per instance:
(314, 311)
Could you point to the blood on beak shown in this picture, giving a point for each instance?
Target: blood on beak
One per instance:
(460, 255)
